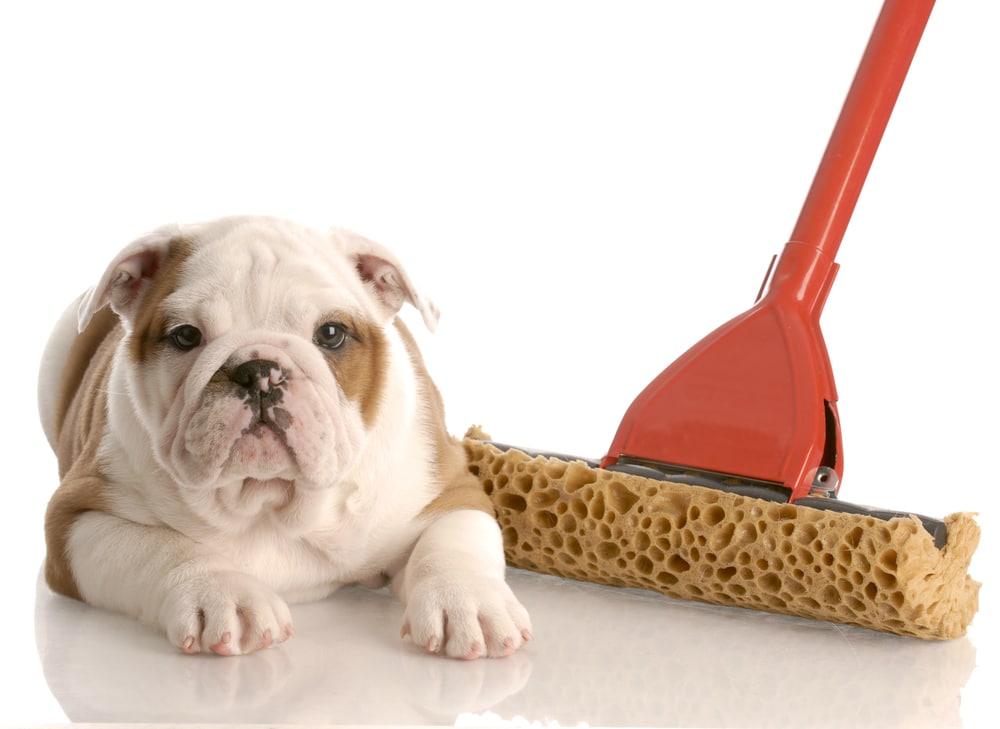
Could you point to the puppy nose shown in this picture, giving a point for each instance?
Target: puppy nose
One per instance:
(257, 375)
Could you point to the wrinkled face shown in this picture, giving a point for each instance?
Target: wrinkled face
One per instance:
(257, 354)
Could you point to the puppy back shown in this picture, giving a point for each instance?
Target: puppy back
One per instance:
(80, 404)
(459, 489)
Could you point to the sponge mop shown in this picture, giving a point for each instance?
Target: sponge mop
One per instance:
(571, 519)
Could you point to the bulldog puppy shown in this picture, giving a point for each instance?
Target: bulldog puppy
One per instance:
(241, 421)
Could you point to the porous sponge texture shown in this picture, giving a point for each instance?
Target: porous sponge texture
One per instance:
(568, 519)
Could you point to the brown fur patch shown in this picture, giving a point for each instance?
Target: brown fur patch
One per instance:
(360, 366)
(81, 354)
(149, 326)
(459, 488)
(81, 419)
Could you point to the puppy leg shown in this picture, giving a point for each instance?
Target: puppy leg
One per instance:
(457, 601)
(199, 599)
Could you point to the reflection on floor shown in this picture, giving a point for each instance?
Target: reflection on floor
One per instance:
(601, 656)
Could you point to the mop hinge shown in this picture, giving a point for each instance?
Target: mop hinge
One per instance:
(825, 483)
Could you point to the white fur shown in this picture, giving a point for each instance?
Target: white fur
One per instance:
(456, 598)
(210, 532)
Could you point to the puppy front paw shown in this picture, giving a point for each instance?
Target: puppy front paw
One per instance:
(467, 617)
(227, 613)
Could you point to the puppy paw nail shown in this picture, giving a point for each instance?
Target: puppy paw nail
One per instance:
(222, 647)
(190, 645)
(265, 641)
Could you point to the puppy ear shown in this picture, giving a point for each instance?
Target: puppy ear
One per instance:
(128, 276)
(381, 270)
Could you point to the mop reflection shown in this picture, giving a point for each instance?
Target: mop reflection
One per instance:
(602, 656)
(655, 661)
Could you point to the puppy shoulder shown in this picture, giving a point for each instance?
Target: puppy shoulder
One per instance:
(77, 427)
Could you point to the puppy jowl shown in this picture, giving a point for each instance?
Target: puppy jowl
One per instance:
(237, 409)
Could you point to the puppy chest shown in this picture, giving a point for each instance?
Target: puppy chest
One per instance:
(295, 565)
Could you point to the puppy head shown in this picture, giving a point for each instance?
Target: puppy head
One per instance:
(255, 349)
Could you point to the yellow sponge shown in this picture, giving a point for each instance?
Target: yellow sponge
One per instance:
(568, 519)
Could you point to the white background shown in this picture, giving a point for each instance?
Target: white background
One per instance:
(585, 189)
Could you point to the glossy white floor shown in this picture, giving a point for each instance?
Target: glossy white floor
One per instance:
(586, 189)
(603, 657)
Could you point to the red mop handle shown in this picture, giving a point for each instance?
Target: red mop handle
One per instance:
(863, 118)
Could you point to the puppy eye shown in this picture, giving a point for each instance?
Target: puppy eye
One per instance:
(185, 337)
(330, 336)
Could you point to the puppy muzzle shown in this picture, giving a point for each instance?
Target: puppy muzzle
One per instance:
(261, 407)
